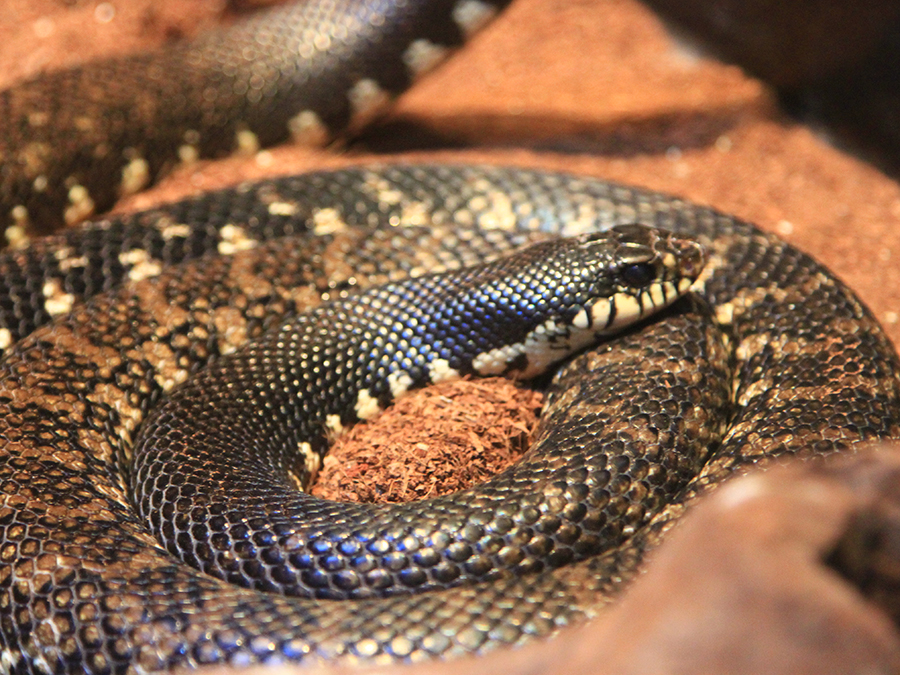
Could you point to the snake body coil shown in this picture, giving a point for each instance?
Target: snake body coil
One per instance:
(660, 414)
(775, 358)
(217, 465)
(73, 141)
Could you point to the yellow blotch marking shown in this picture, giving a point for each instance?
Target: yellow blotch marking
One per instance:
(34, 157)
(423, 55)
(367, 99)
(19, 215)
(67, 264)
(142, 265)
(399, 381)
(56, 300)
(188, 154)
(584, 221)
(439, 370)
(232, 328)
(173, 230)
(367, 406)
(415, 214)
(333, 426)
(311, 460)
(84, 123)
(327, 221)
(135, 176)
(471, 15)
(246, 142)
(167, 373)
(38, 119)
(109, 394)
(283, 209)
(494, 211)
(234, 239)
(746, 299)
(381, 189)
(80, 205)
(306, 128)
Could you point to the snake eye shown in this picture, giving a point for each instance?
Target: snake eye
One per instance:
(638, 275)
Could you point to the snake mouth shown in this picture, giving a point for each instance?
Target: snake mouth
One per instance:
(611, 315)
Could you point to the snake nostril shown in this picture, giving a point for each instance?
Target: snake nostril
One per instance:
(692, 258)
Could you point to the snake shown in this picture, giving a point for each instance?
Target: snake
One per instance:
(106, 326)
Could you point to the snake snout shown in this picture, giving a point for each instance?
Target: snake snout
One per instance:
(690, 257)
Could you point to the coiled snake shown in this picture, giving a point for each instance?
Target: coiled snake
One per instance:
(775, 357)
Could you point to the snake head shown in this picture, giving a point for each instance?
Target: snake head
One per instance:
(637, 270)
(581, 288)
(651, 268)
(646, 254)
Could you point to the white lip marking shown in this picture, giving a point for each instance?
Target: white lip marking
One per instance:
(581, 320)
(657, 295)
(600, 312)
(628, 309)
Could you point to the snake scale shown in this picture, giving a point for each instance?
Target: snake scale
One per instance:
(771, 357)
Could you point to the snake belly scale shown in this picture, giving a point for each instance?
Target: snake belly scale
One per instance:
(776, 357)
